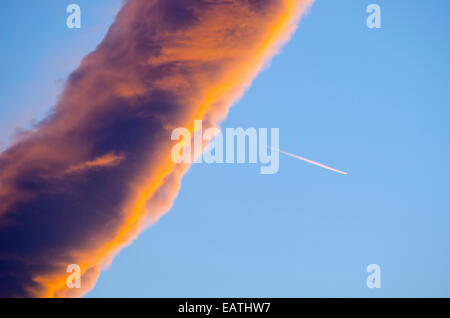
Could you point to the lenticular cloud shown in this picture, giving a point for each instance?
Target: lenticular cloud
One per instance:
(85, 181)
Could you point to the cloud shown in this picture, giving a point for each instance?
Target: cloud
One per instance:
(108, 160)
(84, 182)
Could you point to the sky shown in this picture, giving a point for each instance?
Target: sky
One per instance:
(372, 102)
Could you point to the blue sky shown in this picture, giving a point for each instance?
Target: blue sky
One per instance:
(373, 102)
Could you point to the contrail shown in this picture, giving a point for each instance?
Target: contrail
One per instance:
(309, 161)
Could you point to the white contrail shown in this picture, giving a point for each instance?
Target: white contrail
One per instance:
(309, 161)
